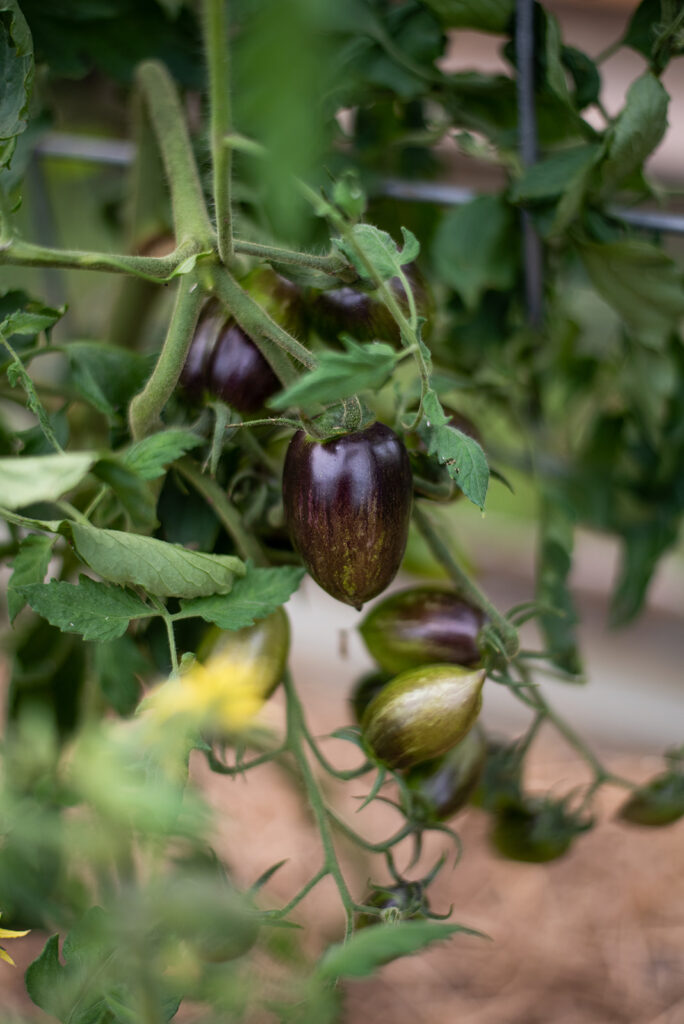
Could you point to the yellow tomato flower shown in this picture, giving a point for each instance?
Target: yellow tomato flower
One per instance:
(5, 933)
(223, 693)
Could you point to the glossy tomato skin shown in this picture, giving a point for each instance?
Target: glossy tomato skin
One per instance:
(193, 378)
(421, 626)
(347, 506)
(444, 785)
(422, 713)
(361, 314)
(262, 648)
(237, 373)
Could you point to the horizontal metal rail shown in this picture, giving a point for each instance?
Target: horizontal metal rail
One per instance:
(120, 153)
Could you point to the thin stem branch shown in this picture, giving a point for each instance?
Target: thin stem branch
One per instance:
(295, 720)
(151, 268)
(145, 409)
(332, 264)
(465, 585)
(217, 53)
(304, 891)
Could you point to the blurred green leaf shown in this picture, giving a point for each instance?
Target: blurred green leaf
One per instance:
(641, 283)
(476, 248)
(637, 131)
(369, 949)
(118, 664)
(29, 566)
(485, 15)
(16, 76)
(256, 595)
(556, 541)
(552, 176)
(105, 375)
(41, 477)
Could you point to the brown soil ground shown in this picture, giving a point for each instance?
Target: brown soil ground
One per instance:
(594, 938)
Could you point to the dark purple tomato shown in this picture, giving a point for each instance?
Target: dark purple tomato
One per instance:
(237, 372)
(361, 314)
(420, 626)
(347, 506)
(444, 785)
(365, 689)
(193, 378)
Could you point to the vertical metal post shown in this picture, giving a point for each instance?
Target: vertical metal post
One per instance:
(527, 144)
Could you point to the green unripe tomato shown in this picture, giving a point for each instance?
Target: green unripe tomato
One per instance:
(536, 831)
(444, 785)
(264, 647)
(422, 713)
(422, 626)
(660, 802)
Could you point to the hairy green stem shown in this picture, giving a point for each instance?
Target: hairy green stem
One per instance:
(152, 268)
(464, 584)
(145, 409)
(332, 264)
(295, 720)
(217, 54)
(190, 217)
(225, 511)
(262, 329)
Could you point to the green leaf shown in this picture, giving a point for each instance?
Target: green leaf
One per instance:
(476, 248)
(377, 248)
(166, 570)
(118, 664)
(17, 374)
(30, 565)
(370, 948)
(150, 457)
(585, 76)
(136, 496)
(106, 376)
(641, 283)
(555, 563)
(462, 455)
(256, 595)
(16, 76)
(642, 549)
(642, 30)
(93, 609)
(25, 480)
(485, 15)
(637, 131)
(551, 177)
(22, 317)
(361, 367)
(43, 979)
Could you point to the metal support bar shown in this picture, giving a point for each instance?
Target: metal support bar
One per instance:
(120, 152)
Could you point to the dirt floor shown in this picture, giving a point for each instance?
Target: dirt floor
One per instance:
(594, 938)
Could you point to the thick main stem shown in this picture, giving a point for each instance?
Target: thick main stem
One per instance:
(217, 53)
(190, 216)
(146, 407)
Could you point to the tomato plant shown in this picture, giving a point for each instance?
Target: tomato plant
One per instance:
(269, 391)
